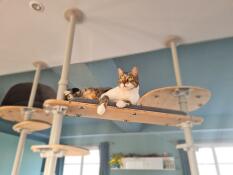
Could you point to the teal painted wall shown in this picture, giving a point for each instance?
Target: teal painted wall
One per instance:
(31, 163)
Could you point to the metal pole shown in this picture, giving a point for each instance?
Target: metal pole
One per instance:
(62, 85)
(176, 63)
(23, 133)
(81, 167)
(19, 153)
(35, 84)
(190, 147)
(186, 126)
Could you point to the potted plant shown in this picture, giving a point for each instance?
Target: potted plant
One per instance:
(116, 161)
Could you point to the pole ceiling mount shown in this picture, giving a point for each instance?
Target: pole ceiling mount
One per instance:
(173, 38)
(42, 64)
(76, 13)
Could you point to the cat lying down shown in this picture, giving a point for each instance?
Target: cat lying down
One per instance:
(124, 94)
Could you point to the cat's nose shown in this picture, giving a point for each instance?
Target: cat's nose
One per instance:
(122, 84)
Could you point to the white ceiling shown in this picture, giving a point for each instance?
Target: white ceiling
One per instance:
(112, 28)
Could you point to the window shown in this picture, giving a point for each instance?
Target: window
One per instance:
(82, 165)
(215, 160)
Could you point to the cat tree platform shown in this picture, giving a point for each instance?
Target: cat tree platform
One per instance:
(16, 114)
(135, 114)
(168, 97)
(31, 126)
(66, 150)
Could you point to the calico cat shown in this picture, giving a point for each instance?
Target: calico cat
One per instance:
(88, 93)
(126, 93)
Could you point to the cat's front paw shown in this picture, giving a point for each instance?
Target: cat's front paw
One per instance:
(101, 109)
(121, 104)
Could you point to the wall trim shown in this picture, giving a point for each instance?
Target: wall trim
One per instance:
(146, 133)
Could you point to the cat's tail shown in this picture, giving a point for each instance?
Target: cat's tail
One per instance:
(103, 103)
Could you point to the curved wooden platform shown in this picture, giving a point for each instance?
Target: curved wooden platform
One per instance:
(66, 149)
(31, 126)
(16, 114)
(168, 97)
(134, 114)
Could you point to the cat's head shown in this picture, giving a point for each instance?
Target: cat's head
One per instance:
(128, 80)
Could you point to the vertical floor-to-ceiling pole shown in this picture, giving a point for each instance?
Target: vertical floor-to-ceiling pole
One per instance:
(187, 126)
(73, 16)
(27, 114)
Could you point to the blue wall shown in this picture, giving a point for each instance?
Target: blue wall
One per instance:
(31, 163)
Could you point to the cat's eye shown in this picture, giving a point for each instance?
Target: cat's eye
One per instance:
(122, 77)
(130, 78)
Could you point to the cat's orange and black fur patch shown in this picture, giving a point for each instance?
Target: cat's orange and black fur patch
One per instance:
(88, 93)
(93, 93)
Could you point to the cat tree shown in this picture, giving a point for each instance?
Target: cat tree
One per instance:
(166, 116)
(28, 126)
(179, 97)
(28, 119)
(54, 149)
(184, 98)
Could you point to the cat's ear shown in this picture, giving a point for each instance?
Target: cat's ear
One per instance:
(120, 72)
(134, 71)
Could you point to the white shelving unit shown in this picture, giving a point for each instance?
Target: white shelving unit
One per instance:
(147, 163)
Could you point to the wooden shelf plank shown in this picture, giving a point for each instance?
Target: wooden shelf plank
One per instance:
(168, 97)
(66, 149)
(31, 126)
(134, 114)
(16, 114)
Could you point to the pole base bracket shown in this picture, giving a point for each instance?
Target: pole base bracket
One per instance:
(58, 109)
(172, 38)
(57, 150)
(187, 124)
(186, 147)
(42, 64)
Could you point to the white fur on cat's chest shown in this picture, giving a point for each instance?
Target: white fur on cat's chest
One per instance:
(118, 93)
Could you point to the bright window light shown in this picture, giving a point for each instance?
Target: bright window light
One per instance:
(224, 154)
(86, 165)
(207, 169)
(215, 160)
(205, 156)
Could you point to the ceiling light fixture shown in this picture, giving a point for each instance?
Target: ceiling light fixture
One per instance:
(37, 6)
